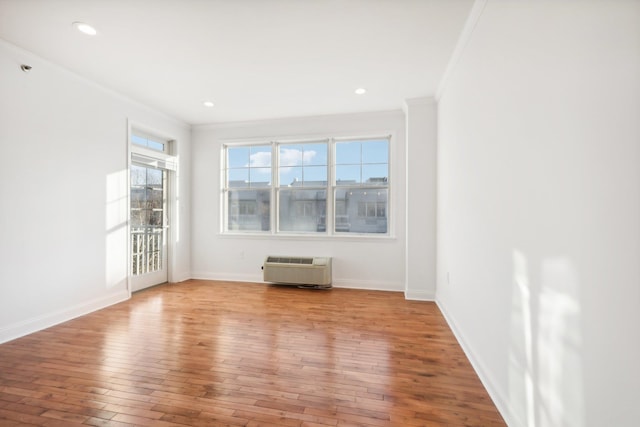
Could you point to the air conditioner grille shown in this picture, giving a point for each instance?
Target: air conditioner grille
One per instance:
(290, 260)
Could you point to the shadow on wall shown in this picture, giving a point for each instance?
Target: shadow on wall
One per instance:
(545, 365)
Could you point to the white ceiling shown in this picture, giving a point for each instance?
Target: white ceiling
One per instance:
(255, 59)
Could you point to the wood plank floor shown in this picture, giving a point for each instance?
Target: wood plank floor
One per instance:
(204, 353)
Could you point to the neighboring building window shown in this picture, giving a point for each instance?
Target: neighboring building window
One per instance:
(353, 173)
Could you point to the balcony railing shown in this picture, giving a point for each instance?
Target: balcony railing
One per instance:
(146, 249)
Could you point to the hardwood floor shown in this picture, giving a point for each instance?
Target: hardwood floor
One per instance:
(203, 353)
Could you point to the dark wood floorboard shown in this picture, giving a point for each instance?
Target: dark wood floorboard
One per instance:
(203, 353)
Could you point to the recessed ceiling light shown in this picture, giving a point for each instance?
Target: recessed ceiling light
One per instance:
(208, 104)
(85, 28)
(360, 91)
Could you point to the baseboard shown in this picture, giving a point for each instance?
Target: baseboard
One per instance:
(29, 326)
(226, 277)
(483, 373)
(419, 296)
(181, 278)
(371, 285)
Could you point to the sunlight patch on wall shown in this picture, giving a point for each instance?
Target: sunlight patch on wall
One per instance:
(559, 346)
(116, 264)
(521, 375)
(545, 363)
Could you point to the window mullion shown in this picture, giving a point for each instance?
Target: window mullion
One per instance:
(331, 181)
(275, 185)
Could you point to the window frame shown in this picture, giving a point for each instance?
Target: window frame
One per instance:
(330, 188)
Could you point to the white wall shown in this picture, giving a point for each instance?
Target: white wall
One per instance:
(63, 187)
(539, 209)
(358, 262)
(421, 198)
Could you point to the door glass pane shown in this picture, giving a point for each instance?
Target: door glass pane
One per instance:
(147, 219)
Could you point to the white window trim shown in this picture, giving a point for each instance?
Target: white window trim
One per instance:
(329, 234)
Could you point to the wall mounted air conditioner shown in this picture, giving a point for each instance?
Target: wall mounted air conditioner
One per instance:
(304, 271)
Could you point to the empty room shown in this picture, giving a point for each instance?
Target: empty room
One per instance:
(320, 213)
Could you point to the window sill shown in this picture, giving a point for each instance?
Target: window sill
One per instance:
(334, 237)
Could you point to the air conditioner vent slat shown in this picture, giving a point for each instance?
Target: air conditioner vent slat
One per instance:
(289, 260)
(298, 270)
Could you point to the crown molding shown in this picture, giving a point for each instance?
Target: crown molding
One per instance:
(463, 40)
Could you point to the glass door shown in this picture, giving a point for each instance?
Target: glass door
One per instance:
(149, 225)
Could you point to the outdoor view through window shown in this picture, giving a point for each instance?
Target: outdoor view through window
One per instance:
(292, 181)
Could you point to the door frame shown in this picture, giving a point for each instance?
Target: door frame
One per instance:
(152, 278)
(168, 162)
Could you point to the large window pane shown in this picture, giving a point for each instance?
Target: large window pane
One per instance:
(302, 165)
(315, 176)
(361, 210)
(315, 154)
(348, 153)
(376, 151)
(375, 174)
(248, 166)
(260, 156)
(238, 178)
(259, 177)
(237, 157)
(302, 210)
(290, 155)
(248, 210)
(347, 174)
(362, 162)
(290, 176)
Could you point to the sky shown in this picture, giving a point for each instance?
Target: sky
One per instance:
(356, 161)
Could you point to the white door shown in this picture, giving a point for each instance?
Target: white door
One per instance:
(149, 223)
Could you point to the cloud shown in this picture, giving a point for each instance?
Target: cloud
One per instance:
(291, 156)
(288, 156)
(261, 159)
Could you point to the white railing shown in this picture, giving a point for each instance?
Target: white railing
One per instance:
(146, 249)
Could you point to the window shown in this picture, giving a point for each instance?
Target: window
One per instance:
(302, 189)
(150, 142)
(362, 186)
(332, 186)
(248, 188)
